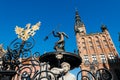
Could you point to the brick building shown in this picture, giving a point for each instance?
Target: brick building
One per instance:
(97, 50)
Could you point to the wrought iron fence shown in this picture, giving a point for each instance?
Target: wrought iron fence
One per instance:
(19, 63)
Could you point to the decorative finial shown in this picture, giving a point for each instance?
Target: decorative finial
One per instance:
(103, 28)
(25, 34)
(76, 9)
(2, 51)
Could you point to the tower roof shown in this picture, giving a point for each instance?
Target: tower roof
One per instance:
(78, 21)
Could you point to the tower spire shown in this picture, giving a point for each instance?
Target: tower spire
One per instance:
(79, 25)
(77, 19)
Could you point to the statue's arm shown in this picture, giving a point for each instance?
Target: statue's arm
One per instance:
(57, 70)
(65, 35)
(55, 35)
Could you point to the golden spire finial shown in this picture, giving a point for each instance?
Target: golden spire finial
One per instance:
(25, 34)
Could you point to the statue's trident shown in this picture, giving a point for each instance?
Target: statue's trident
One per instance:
(46, 37)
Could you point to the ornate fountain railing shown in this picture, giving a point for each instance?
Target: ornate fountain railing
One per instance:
(19, 63)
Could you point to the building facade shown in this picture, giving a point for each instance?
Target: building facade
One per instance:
(97, 50)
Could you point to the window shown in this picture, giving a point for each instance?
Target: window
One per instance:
(83, 43)
(86, 61)
(106, 46)
(91, 47)
(84, 47)
(95, 62)
(94, 57)
(104, 41)
(111, 56)
(90, 42)
(103, 58)
(97, 41)
(86, 58)
(111, 44)
(98, 46)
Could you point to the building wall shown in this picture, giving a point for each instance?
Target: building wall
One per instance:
(98, 50)
(28, 65)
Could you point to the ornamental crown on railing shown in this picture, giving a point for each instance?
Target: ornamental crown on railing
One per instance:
(24, 34)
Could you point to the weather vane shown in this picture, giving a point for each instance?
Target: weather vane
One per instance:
(25, 34)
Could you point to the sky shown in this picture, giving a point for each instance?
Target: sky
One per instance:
(58, 15)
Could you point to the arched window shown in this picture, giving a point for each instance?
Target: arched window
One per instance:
(83, 43)
(97, 40)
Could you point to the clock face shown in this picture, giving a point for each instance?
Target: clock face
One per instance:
(80, 29)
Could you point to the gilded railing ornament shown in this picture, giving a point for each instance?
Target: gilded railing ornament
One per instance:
(25, 34)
